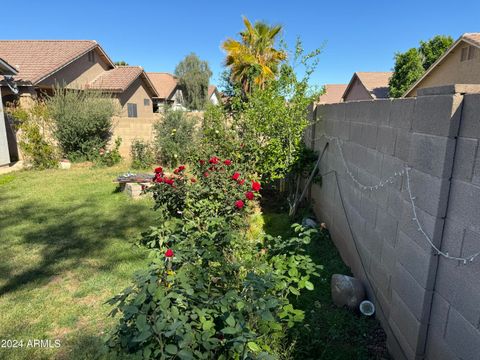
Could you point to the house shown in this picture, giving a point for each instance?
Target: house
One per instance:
(75, 64)
(333, 94)
(460, 64)
(132, 89)
(367, 86)
(214, 95)
(6, 70)
(168, 90)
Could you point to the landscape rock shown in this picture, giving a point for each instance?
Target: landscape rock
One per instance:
(347, 291)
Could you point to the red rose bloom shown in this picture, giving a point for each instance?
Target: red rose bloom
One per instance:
(239, 204)
(228, 162)
(169, 253)
(175, 171)
(255, 186)
(158, 179)
(214, 160)
(158, 170)
(202, 162)
(181, 168)
(193, 180)
(205, 174)
(235, 176)
(249, 195)
(241, 182)
(168, 181)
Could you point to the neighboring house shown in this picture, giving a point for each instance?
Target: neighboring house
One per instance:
(131, 87)
(214, 95)
(333, 94)
(460, 64)
(168, 90)
(5, 70)
(367, 86)
(75, 64)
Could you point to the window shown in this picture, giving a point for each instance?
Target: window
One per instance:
(132, 110)
(91, 56)
(146, 102)
(468, 53)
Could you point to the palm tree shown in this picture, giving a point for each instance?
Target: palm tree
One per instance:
(254, 58)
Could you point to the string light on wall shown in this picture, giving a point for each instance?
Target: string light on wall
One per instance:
(400, 173)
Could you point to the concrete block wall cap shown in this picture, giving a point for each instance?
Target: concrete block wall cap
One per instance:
(449, 89)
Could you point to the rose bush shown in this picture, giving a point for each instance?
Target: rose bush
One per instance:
(212, 291)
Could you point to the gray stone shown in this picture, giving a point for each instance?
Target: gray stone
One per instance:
(386, 140)
(430, 193)
(369, 135)
(347, 291)
(464, 204)
(437, 115)
(432, 154)
(470, 125)
(465, 153)
(462, 337)
(449, 89)
(414, 295)
(401, 113)
(379, 112)
(402, 144)
(356, 132)
(386, 226)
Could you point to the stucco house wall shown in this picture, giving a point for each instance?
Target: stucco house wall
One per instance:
(78, 73)
(357, 92)
(452, 71)
(136, 94)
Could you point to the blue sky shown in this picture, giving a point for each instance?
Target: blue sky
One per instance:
(358, 35)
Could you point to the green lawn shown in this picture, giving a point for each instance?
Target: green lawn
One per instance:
(65, 248)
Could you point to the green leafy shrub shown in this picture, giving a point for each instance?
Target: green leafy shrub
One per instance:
(108, 157)
(35, 141)
(211, 291)
(83, 121)
(175, 138)
(142, 154)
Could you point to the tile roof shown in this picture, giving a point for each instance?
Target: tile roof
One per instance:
(6, 68)
(36, 59)
(117, 79)
(376, 83)
(473, 37)
(164, 83)
(333, 93)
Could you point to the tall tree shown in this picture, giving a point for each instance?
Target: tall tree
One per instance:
(432, 49)
(408, 69)
(254, 59)
(194, 75)
(121, 63)
(411, 65)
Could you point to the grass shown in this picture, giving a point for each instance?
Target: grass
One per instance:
(328, 332)
(66, 247)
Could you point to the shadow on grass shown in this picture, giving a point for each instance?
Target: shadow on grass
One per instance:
(63, 236)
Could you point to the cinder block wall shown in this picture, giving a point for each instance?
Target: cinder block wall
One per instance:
(130, 129)
(428, 305)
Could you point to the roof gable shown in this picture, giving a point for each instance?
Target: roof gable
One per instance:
(470, 38)
(333, 93)
(35, 60)
(375, 83)
(165, 84)
(120, 78)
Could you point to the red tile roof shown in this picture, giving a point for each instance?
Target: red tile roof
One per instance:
(37, 59)
(376, 83)
(333, 93)
(473, 37)
(116, 80)
(164, 83)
